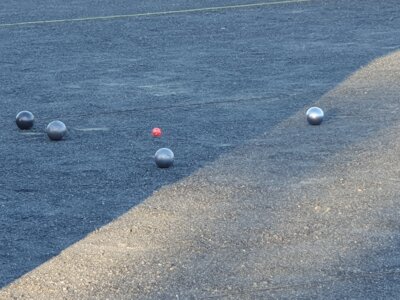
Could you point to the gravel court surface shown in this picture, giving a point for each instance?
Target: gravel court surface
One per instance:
(323, 226)
(213, 81)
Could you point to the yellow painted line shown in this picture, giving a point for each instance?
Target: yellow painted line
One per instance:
(160, 13)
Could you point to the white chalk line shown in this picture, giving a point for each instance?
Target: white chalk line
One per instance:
(92, 129)
(159, 13)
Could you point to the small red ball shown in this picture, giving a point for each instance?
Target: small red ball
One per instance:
(156, 132)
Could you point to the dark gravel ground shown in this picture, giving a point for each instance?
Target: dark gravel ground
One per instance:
(230, 89)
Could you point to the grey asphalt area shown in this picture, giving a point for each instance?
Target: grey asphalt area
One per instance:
(259, 204)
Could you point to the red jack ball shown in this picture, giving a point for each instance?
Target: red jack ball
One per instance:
(156, 132)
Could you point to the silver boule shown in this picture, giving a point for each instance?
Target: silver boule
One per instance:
(315, 115)
(164, 158)
(56, 130)
(24, 120)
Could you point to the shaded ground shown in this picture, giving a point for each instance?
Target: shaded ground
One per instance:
(258, 205)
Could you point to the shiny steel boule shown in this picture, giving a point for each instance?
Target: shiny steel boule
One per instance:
(56, 130)
(164, 158)
(25, 120)
(315, 115)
